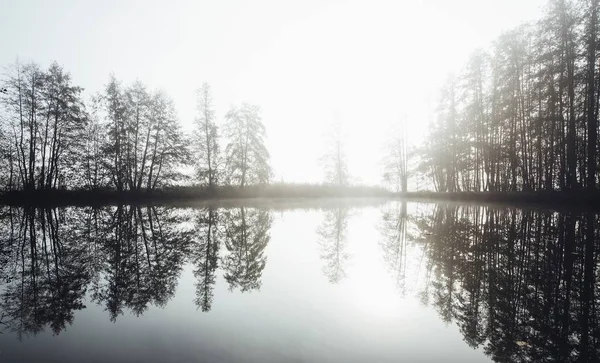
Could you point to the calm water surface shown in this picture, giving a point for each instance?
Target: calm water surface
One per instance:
(324, 283)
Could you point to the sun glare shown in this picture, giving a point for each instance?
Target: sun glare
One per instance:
(358, 61)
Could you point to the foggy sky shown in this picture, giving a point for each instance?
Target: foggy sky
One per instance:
(302, 61)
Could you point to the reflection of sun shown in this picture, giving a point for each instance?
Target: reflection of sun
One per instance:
(376, 297)
(372, 291)
(372, 284)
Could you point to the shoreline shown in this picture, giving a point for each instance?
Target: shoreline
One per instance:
(178, 195)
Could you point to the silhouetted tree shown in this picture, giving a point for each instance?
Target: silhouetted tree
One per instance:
(247, 157)
(169, 147)
(523, 116)
(146, 146)
(442, 145)
(592, 94)
(44, 129)
(116, 115)
(206, 138)
(95, 161)
(130, 141)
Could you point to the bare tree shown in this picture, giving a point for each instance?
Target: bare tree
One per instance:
(94, 160)
(524, 116)
(45, 123)
(334, 160)
(395, 163)
(145, 145)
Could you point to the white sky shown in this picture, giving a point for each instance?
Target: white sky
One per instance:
(302, 61)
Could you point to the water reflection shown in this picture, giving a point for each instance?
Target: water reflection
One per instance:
(205, 255)
(143, 251)
(44, 270)
(520, 285)
(246, 237)
(394, 242)
(332, 239)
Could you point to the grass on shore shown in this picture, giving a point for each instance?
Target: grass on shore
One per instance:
(286, 192)
(183, 194)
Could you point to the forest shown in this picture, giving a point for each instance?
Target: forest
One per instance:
(126, 144)
(523, 114)
(126, 138)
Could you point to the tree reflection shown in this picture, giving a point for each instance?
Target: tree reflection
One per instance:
(394, 242)
(522, 284)
(332, 239)
(144, 252)
(127, 257)
(44, 268)
(205, 256)
(246, 237)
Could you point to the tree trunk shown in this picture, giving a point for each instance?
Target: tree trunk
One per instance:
(592, 123)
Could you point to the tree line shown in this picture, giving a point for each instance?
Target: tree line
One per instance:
(523, 115)
(126, 137)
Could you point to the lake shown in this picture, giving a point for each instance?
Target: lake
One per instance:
(299, 282)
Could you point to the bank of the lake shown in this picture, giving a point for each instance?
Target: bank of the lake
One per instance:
(572, 200)
(286, 192)
(176, 195)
